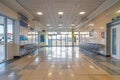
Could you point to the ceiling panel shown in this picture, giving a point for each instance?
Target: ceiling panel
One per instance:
(50, 8)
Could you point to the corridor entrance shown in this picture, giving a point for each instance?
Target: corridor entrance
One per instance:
(63, 39)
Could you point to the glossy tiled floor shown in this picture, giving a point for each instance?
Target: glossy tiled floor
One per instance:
(61, 63)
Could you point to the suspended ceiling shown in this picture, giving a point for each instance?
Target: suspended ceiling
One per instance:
(50, 9)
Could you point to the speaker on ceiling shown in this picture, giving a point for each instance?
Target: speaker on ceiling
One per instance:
(34, 19)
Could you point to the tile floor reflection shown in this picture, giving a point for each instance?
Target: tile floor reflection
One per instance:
(61, 63)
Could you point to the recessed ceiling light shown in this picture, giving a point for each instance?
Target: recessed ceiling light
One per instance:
(48, 25)
(60, 25)
(118, 11)
(101, 27)
(60, 13)
(82, 13)
(91, 24)
(29, 25)
(72, 24)
(39, 13)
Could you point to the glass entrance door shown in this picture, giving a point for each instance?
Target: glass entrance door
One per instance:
(114, 41)
(49, 40)
(76, 40)
(2, 39)
(54, 40)
(69, 40)
(59, 40)
(63, 40)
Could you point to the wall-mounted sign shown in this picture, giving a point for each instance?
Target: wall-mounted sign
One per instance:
(103, 34)
(91, 32)
(23, 20)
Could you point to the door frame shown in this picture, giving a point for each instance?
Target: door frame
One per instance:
(5, 35)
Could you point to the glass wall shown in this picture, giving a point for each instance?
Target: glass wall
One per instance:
(2, 38)
(114, 41)
(49, 40)
(69, 39)
(6, 36)
(84, 37)
(62, 38)
(54, 42)
(9, 30)
(32, 37)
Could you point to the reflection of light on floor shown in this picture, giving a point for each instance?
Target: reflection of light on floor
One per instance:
(49, 74)
(12, 74)
(91, 66)
(2, 67)
(69, 66)
(53, 65)
(49, 58)
(2, 53)
(62, 52)
(37, 59)
(60, 73)
(72, 75)
(77, 55)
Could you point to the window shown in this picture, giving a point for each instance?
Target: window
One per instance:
(9, 30)
(2, 39)
(84, 32)
(52, 32)
(2, 35)
(76, 32)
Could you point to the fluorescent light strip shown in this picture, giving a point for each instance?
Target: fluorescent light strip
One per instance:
(39, 13)
(82, 13)
(60, 13)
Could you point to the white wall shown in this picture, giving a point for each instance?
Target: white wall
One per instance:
(8, 12)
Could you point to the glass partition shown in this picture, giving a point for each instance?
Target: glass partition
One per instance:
(54, 42)
(59, 38)
(2, 39)
(9, 30)
(65, 38)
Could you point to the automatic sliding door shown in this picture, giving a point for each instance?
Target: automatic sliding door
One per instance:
(76, 40)
(63, 40)
(69, 40)
(54, 40)
(59, 39)
(49, 40)
(66, 43)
